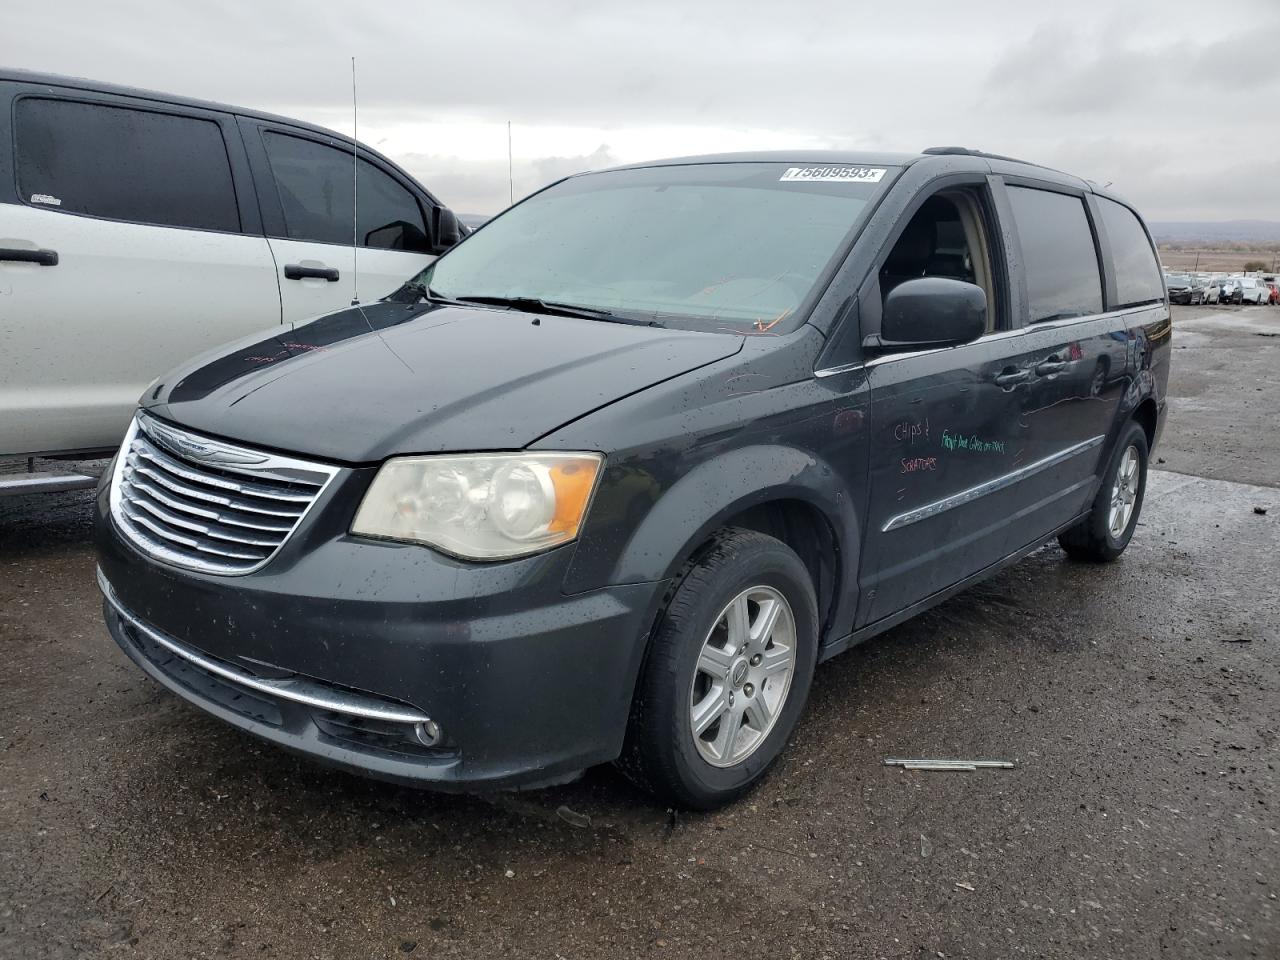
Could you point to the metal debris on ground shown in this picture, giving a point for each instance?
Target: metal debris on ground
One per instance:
(573, 818)
(954, 766)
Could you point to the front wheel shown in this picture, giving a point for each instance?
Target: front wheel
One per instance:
(727, 675)
(1104, 533)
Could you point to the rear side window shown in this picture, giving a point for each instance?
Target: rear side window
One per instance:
(314, 182)
(1137, 272)
(124, 164)
(1058, 254)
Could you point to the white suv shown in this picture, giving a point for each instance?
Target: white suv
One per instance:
(138, 229)
(1252, 290)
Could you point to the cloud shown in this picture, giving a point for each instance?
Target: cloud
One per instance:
(471, 186)
(1062, 69)
(1178, 83)
(1166, 188)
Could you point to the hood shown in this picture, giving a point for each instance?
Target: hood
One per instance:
(370, 382)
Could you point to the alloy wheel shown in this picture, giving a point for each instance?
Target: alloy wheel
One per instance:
(743, 676)
(1124, 492)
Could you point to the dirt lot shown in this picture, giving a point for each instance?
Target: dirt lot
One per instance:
(1215, 259)
(1141, 702)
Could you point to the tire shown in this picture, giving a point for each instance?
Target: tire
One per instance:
(1098, 382)
(1093, 539)
(662, 754)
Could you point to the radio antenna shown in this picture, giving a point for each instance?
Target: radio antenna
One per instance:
(511, 180)
(355, 209)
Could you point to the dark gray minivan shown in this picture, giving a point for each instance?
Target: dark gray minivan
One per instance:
(608, 479)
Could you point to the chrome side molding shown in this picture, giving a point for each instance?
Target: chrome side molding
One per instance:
(990, 486)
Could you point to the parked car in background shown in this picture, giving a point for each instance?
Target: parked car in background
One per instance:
(1252, 290)
(1181, 288)
(138, 229)
(1230, 290)
(1212, 290)
(591, 488)
(1274, 298)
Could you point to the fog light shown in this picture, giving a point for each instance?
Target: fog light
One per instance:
(427, 732)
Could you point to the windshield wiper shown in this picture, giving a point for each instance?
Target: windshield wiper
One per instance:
(553, 308)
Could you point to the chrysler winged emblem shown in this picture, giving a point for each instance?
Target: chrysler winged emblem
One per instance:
(202, 451)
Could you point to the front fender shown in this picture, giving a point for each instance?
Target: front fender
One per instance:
(705, 498)
(684, 456)
(660, 536)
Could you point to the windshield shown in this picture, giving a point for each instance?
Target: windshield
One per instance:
(736, 246)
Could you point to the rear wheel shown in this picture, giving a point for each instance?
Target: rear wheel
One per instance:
(1105, 532)
(1098, 382)
(727, 675)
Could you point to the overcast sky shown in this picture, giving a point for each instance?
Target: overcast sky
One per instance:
(1176, 103)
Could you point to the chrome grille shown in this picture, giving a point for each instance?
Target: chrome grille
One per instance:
(205, 504)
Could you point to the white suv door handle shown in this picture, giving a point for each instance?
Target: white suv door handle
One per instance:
(46, 258)
(296, 271)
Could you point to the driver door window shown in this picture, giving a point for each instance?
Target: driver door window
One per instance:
(945, 238)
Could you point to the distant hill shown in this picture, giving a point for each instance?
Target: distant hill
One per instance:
(1217, 231)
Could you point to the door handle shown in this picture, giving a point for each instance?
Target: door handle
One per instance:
(1050, 366)
(296, 271)
(46, 258)
(1011, 377)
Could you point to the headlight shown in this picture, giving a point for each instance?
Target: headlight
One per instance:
(481, 506)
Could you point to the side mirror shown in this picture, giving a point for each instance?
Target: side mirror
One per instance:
(448, 232)
(932, 312)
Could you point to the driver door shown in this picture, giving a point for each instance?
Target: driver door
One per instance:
(949, 432)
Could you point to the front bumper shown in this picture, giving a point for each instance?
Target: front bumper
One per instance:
(343, 651)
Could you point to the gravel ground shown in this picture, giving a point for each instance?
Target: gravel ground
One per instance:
(1224, 393)
(1140, 700)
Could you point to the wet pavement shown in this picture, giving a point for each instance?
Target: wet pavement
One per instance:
(1225, 394)
(1140, 700)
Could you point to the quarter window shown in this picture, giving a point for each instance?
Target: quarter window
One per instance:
(1058, 254)
(1137, 272)
(124, 164)
(314, 182)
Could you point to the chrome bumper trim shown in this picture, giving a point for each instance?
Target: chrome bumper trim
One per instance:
(307, 692)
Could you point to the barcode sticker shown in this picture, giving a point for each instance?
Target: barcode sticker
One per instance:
(834, 174)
